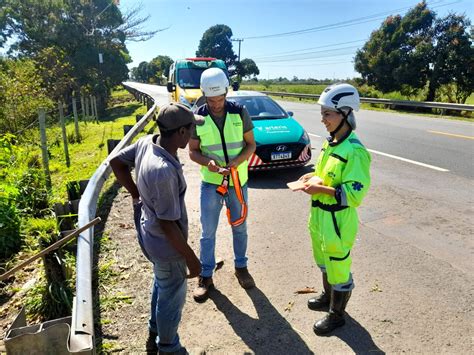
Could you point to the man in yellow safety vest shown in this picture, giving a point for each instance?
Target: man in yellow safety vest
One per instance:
(224, 141)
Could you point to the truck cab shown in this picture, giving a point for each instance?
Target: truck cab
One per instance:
(185, 76)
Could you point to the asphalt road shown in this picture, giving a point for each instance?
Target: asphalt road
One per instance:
(442, 143)
(426, 165)
(412, 261)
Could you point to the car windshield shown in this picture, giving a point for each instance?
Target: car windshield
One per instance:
(189, 78)
(261, 107)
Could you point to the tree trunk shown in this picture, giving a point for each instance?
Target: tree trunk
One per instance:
(431, 90)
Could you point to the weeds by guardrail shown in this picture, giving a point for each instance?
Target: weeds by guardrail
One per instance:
(82, 327)
(75, 334)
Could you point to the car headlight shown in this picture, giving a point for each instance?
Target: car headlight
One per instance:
(184, 101)
(304, 137)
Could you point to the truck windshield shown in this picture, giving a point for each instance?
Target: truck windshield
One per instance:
(189, 78)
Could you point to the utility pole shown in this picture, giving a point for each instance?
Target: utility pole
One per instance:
(240, 40)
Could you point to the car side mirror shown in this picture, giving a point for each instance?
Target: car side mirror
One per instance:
(290, 113)
(170, 86)
(235, 85)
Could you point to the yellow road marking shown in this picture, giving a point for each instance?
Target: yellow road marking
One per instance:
(452, 135)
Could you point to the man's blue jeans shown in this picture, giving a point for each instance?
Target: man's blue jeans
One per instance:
(167, 302)
(168, 294)
(211, 206)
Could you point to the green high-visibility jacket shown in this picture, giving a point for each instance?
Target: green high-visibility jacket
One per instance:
(212, 143)
(344, 165)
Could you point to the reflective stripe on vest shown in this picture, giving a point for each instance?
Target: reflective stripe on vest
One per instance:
(211, 146)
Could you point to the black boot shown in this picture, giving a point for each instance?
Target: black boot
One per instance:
(335, 317)
(322, 301)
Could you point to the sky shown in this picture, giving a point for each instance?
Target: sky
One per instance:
(286, 38)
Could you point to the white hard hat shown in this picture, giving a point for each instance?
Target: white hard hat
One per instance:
(338, 96)
(214, 82)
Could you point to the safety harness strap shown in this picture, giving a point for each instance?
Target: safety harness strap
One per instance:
(328, 208)
(223, 190)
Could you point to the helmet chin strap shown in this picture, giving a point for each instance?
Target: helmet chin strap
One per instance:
(344, 115)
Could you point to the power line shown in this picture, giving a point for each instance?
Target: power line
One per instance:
(308, 64)
(346, 23)
(293, 59)
(311, 48)
(296, 55)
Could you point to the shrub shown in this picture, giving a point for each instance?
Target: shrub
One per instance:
(369, 91)
(32, 193)
(39, 232)
(10, 238)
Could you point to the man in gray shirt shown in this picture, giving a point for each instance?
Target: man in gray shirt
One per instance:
(161, 220)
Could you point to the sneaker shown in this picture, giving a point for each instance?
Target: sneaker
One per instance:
(245, 279)
(184, 351)
(201, 292)
(150, 345)
(181, 351)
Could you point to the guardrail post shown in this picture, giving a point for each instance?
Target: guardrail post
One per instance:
(86, 101)
(95, 108)
(111, 144)
(75, 189)
(44, 147)
(127, 128)
(92, 107)
(83, 108)
(63, 129)
(76, 120)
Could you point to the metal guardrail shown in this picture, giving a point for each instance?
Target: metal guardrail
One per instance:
(75, 334)
(82, 327)
(404, 103)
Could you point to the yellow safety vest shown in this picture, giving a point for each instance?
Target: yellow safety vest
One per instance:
(212, 146)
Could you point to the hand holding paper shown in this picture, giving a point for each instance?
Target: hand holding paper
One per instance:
(296, 185)
(301, 184)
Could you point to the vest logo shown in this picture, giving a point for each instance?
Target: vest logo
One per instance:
(237, 123)
(331, 175)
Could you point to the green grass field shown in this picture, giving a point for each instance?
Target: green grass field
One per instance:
(364, 92)
(470, 100)
(86, 156)
(52, 299)
(300, 89)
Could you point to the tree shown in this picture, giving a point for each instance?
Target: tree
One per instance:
(153, 71)
(247, 68)
(82, 29)
(453, 58)
(21, 95)
(398, 50)
(161, 67)
(56, 72)
(215, 42)
(417, 50)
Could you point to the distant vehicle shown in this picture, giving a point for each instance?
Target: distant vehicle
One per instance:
(185, 75)
(281, 141)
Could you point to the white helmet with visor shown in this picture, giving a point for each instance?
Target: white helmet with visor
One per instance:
(342, 98)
